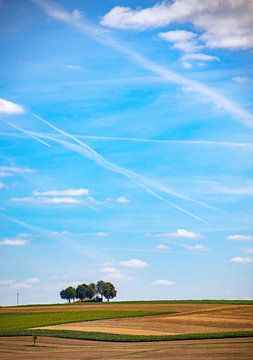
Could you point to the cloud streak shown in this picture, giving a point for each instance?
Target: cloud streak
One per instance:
(75, 20)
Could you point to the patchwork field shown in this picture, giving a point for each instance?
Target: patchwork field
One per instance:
(219, 318)
(142, 324)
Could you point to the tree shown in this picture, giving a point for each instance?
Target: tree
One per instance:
(68, 293)
(100, 288)
(85, 291)
(93, 287)
(80, 292)
(63, 294)
(89, 291)
(109, 291)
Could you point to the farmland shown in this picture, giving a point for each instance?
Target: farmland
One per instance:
(200, 325)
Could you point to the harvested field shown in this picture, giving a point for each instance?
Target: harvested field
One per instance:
(111, 306)
(60, 349)
(219, 318)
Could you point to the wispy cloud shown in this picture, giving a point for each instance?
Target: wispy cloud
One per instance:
(113, 273)
(101, 234)
(66, 192)
(8, 107)
(75, 20)
(2, 185)
(240, 79)
(239, 237)
(14, 242)
(248, 251)
(25, 284)
(198, 247)
(162, 247)
(186, 41)
(242, 260)
(134, 263)
(163, 282)
(48, 200)
(182, 234)
(16, 170)
(72, 67)
(122, 199)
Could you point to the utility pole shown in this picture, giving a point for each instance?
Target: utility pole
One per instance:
(17, 299)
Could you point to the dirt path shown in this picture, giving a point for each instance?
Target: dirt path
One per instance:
(60, 349)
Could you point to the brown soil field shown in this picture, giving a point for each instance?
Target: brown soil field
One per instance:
(62, 349)
(218, 318)
(111, 306)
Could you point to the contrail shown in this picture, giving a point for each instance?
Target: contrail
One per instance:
(169, 141)
(104, 37)
(26, 132)
(93, 155)
(140, 180)
(228, 144)
(146, 183)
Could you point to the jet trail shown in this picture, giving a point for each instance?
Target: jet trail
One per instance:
(145, 183)
(26, 132)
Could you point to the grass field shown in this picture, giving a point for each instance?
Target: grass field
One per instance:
(132, 321)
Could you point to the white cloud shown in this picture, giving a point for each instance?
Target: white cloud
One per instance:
(72, 67)
(223, 24)
(74, 20)
(101, 233)
(162, 247)
(122, 199)
(10, 108)
(134, 263)
(164, 282)
(113, 273)
(46, 200)
(14, 242)
(240, 237)
(181, 39)
(66, 192)
(183, 234)
(199, 57)
(240, 79)
(2, 185)
(197, 247)
(242, 260)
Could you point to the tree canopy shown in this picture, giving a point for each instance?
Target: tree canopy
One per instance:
(85, 292)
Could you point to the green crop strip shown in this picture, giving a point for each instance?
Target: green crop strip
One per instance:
(27, 320)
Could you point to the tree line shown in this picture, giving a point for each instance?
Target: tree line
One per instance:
(90, 292)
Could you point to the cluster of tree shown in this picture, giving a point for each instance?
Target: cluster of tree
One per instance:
(90, 292)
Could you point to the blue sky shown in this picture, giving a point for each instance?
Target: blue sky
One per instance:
(126, 148)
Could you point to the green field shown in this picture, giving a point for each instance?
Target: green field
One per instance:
(12, 322)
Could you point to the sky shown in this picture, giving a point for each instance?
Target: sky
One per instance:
(126, 148)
